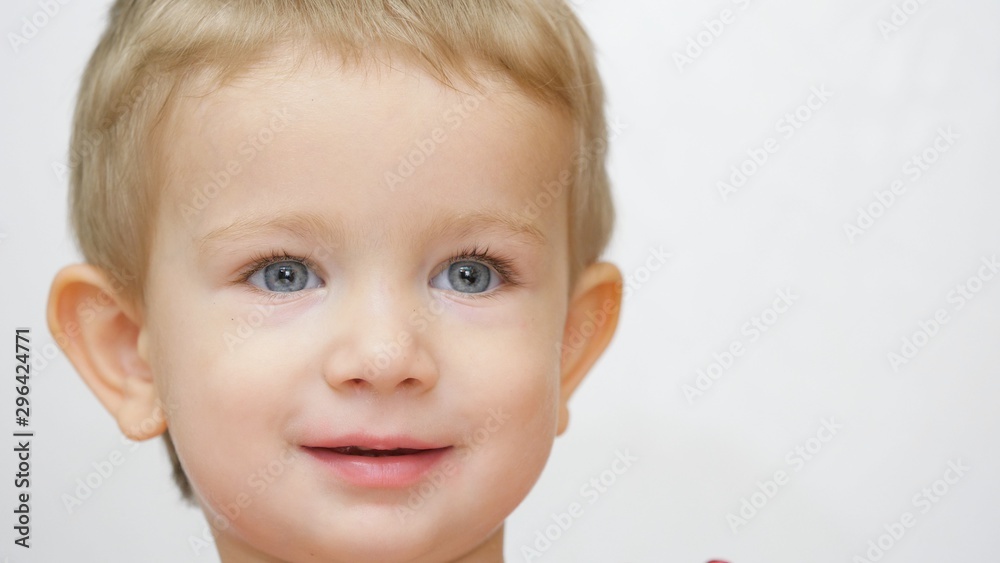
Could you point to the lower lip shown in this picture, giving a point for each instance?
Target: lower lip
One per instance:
(386, 472)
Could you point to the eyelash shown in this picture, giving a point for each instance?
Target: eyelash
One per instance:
(261, 260)
(503, 266)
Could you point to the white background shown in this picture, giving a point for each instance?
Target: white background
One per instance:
(683, 129)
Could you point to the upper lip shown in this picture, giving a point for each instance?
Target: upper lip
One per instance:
(374, 442)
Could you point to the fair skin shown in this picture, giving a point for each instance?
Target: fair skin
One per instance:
(378, 332)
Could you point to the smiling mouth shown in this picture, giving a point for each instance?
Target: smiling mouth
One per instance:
(382, 467)
(371, 452)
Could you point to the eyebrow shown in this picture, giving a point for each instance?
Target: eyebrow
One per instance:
(311, 226)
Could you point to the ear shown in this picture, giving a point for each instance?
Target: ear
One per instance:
(101, 333)
(590, 323)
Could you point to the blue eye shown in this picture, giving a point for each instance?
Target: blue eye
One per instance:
(284, 276)
(467, 276)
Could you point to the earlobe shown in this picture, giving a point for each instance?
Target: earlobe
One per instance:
(101, 333)
(591, 321)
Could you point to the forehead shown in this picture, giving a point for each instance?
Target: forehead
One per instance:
(357, 143)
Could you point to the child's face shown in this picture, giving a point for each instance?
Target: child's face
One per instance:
(300, 297)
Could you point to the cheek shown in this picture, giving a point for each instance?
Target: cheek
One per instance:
(513, 397)
(224, 397)
(509, 356)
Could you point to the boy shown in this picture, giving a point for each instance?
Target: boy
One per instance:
(346, 252)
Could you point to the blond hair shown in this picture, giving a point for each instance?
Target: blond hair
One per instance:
(151, 48)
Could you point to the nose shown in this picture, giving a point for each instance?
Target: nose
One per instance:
(381, 351)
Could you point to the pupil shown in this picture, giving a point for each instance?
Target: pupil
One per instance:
(286, 276)
(469, 277)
